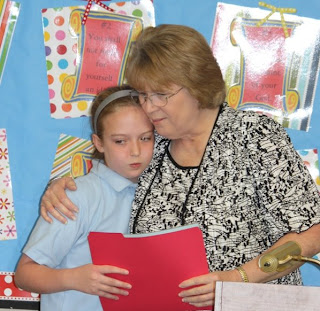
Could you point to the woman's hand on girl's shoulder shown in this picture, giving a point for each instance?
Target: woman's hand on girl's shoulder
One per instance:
(55, 202)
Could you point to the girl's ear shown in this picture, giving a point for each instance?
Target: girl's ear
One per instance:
(97, 143)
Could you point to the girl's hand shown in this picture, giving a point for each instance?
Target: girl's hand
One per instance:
(55, 201)
(202, 293)
(91, 279)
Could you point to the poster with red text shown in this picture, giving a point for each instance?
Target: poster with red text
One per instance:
(270, 61)
(84, 58)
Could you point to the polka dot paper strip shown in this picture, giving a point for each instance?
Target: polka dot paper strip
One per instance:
(63, 43)
(311, 160)
(8, 290)
(8, 230)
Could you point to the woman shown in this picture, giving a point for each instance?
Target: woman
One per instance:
(234, 173)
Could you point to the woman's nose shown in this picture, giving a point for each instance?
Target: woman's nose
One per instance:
(148, 107)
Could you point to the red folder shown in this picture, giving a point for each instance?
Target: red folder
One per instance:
(157, 263)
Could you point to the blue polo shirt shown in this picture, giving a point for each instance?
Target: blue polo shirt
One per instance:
(104, 199)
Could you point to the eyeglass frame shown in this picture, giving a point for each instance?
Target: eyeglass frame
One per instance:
(166, 96)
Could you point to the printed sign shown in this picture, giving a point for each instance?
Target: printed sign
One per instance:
(270, 65)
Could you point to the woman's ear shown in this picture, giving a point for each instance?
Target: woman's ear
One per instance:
(97, 143)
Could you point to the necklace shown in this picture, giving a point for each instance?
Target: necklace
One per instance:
(184, 205)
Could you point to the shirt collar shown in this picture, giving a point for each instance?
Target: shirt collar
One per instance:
(116, 181)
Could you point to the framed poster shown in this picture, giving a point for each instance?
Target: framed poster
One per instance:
(265, 65)
(83, 59)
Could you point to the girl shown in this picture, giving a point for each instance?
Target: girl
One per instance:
(56, 261)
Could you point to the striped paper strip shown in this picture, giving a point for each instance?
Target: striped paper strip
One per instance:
(9, 12)
(68, 148)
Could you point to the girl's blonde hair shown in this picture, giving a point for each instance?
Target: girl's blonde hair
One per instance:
(111, 107)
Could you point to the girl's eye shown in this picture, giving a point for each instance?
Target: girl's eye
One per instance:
(119, 141)
(146, 138)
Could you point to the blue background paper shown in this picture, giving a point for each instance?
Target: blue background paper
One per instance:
(33, 135)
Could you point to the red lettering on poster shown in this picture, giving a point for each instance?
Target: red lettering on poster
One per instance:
(264, 65)
(102, 55)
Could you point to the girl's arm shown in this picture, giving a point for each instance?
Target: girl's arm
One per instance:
(89, 279)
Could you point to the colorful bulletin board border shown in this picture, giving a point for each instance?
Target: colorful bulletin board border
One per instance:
(9, 12)
(267, 67)
(12, 297)
(73, 157)
(8, 229)
(84, 59)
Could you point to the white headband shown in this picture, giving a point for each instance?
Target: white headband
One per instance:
(108, 100)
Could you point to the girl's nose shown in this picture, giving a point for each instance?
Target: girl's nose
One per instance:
(135, 149)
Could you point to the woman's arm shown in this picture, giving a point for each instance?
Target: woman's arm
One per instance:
(89, 279)
(55, 201)
(203, 294)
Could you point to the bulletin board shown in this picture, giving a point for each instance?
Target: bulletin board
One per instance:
(32, 133)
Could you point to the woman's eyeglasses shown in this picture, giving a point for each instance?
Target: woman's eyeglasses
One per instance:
(156, 99)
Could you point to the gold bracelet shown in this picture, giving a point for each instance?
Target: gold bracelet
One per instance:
(243, 274)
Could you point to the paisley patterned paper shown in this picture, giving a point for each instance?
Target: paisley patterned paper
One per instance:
(8, 229)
